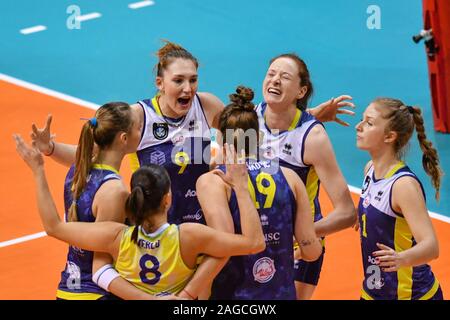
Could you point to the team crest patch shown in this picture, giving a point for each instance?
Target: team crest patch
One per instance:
(160, 130)
(264, 270)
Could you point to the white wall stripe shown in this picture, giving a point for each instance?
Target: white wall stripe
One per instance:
(141, 4)
(33, 29)
(88, 16)
(22, 239)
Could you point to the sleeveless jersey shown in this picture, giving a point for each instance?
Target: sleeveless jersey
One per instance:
(289, 147)
(183, 150)
(154, 263)
(76, 280)
(269, 274)
(381, 224)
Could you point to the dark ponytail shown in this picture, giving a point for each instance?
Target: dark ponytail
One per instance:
(149, 184)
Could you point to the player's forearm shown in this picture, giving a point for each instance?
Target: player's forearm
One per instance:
(127, 291)
(64, 154)
(46, 206)
(421, 253)
(203, 277)
(250, 222)
(335, 221)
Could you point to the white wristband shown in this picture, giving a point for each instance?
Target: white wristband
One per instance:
(104, 276)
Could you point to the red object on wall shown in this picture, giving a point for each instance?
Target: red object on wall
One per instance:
(437, 17)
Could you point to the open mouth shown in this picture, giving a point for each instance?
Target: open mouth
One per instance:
(184, 102)
(274, 91)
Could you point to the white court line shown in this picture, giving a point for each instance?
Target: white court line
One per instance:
(141, 4)
(33, 29)
(22, 239)
(89, 16)
(49, 92)
(94, 106)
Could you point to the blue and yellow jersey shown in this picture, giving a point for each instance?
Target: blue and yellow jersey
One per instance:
(183, 149)
(76, 280)
(379, 223)
(268, 274)
(289, 147)
(153, 264)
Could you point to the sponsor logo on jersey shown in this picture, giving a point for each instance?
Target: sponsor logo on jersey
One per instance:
(197, 216)
(264, 220)
(287, 149)
(264, 270)
(190, 194)
(178, 140)
(157, 157)
(192, 125)
(378, 196)
(272, 238)
(269, 153)
(160, 130)
(366, 201)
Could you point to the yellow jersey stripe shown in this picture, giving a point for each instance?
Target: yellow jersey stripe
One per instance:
(156, 105)
(394, 170)
(297, 117)
(403, 241)
(101, 166)
(77, 296)
(134, 162)
(365, 295)
(432, 291)
(312, 187)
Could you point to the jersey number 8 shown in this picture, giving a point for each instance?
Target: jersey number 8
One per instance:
(146, 270)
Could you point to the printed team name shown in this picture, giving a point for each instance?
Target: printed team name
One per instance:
(258, 165)
(148, 244)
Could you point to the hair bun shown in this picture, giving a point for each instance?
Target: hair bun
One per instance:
(168, 47)
(243, 98)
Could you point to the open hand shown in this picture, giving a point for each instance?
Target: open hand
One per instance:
(31, 155)
(329, 110)
(42, 137)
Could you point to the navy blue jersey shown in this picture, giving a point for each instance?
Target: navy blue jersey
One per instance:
(269, 274)
(76, 280)
(183, 150)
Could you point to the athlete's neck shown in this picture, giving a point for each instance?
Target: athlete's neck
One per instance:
(165, 109)
(157, 221)
(111, 158)
(383, 163)
(280, 118)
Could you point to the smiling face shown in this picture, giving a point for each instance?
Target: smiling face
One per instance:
(178, 86)
(281, 86)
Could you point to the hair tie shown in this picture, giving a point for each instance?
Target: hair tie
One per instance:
(410, 109)
(92, 121)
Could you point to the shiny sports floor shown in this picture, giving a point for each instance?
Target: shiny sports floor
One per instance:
(110, 58)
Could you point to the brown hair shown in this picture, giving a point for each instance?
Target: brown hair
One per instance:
(305, 78)
(109, 119)
(149, 184)
(240, 114)
(170, 51)
(403, 119)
